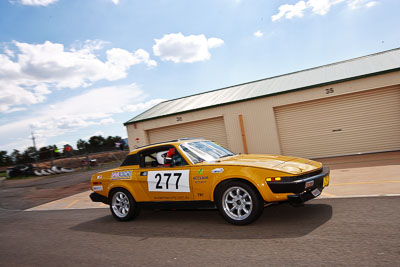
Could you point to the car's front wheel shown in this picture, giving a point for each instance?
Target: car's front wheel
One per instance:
(122, 205)
(239, 203)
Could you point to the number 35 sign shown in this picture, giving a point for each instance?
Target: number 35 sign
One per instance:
(168, 181)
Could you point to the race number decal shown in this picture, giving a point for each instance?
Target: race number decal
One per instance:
(168, 181)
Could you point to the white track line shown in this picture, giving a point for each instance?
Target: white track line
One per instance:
(359, 196)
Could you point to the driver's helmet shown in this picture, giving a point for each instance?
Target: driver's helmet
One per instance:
(161, 157)
(171, 152)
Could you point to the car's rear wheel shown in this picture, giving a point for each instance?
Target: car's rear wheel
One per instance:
(122, 205)
(239, 203)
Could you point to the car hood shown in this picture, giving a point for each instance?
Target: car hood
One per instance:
(291, 165)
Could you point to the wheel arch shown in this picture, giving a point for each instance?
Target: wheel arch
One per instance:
(116, 187)
(219, 185)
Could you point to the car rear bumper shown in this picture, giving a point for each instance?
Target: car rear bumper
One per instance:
(302, 189)
(99, 198)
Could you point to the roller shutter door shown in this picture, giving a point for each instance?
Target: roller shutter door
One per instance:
(212, 129)
(362, 122)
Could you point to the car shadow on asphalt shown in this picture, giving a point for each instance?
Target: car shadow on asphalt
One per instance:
(278, 221)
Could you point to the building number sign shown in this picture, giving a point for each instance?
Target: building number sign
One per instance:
(329, 91)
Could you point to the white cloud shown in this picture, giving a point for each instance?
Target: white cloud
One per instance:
(35, 2)
(258, 34)
(356, 4)
(13, 95)
(116, 2)
(107, 121)
(177, 48)
(96, 107)
(8, 68)
(371, 4)
(88, 46)
(120, 59)
(14, 110)
(8, 52)
(214, 42)
(290, 11)
(142, 106)
(38, 68)
(319, 7)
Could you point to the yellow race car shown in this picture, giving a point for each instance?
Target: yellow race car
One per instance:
(190, 173)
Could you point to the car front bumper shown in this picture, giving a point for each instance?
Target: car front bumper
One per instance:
(302, 190)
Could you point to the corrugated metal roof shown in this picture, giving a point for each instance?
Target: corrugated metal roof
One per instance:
(345, 70)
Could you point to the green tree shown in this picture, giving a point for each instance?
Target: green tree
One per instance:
(48, 152)
(96, 141)
(16, 156)
(111, 140)
(28, 156)
(45, 152)
(5, 160)
(82, 144)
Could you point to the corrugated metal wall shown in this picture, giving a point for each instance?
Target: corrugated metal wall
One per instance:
(212, 129)
(362, 122)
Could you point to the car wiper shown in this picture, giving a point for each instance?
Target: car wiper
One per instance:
(227, 155)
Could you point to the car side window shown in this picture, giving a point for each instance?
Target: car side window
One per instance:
(150, 160)
(178, 160)
(147, 160)
(161, 157)
(130, 160)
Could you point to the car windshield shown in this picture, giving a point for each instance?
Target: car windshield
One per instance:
(204, 151)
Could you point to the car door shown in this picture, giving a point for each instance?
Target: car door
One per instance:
(203, 181)
(169, 184)
(165, 183)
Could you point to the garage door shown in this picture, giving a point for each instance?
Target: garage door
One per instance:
(356, 123)
(212, 129)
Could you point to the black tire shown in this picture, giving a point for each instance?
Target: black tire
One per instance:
(122, 205)
(239, 203)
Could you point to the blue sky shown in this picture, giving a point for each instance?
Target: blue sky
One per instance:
(71, 69)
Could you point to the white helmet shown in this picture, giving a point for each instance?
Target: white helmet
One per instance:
(161, 157)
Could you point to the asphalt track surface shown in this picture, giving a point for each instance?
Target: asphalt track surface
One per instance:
(21, 194)
(325, 232)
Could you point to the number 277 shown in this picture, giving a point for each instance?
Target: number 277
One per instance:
(168, 175)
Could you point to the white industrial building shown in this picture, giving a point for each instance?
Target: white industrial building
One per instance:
(344, 108)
